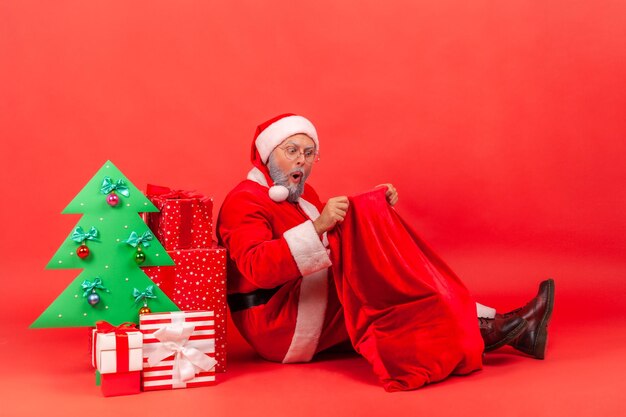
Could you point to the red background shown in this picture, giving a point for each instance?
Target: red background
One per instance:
(501, 125)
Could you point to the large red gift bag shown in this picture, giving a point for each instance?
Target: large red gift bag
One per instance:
(406, 312)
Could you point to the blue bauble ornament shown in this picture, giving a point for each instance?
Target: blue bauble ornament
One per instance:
(93, 299)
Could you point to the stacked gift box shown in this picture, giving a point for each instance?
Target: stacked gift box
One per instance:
(117, 355)
(184, 226)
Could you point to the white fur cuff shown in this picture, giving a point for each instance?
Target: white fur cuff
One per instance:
(306, 248)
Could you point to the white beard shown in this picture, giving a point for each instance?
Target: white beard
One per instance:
(281, 178)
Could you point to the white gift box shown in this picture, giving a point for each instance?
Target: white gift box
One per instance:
(105, 353)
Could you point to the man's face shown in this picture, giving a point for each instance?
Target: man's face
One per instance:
(291, 173)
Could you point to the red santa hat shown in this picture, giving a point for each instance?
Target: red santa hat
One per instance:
(272, 133)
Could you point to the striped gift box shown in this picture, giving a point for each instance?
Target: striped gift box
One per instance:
(178, 349)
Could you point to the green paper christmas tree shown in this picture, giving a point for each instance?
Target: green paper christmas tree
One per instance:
(110, 243)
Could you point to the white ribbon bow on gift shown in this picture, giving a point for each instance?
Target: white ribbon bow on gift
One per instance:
(188, 361)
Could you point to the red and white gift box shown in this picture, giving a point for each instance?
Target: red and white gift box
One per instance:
(117, 349)
(179, 349)
(185, 220)
(198, 282)
(120, 383)
(117, 354)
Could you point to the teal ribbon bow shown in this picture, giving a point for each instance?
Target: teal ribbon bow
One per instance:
(143, 295)
(79, 235)
(134, 240)
(120, 186)
(89, 286)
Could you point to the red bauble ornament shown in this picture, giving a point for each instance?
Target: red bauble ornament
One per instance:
(82, 251)
(113, 200)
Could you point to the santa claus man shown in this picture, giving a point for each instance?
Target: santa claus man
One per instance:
(280, 289)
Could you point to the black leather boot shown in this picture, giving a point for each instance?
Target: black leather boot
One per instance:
(500, 331)
(537, 313)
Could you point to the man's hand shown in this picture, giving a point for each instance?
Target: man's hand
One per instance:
(334, 212)
(391, 194)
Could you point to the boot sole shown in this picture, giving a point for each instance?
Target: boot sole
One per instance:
(509, 337)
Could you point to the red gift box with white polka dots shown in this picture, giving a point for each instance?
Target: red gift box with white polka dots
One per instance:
(198, 282)
(185, 220)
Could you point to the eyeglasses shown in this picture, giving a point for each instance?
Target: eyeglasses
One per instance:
(293, 152)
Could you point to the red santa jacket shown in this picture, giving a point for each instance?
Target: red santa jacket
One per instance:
(273, 244)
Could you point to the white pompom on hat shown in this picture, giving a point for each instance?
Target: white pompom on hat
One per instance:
(272, 133)
(278, 193)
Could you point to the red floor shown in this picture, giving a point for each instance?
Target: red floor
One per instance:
(46, 372)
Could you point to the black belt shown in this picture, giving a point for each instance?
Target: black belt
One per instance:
(243, 301)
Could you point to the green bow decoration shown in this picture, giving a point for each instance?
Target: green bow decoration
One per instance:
(89, 287)
(79, 235)
(120, 186)
(143, 295)
(135, 240)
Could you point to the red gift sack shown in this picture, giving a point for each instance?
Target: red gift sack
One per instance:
(406, 312)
